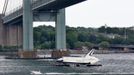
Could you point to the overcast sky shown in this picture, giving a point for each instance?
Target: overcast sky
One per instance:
(95, 13)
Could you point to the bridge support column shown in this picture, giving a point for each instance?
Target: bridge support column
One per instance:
(60, 35)
(27, 25)
(27, 31)
(60, 30)
(1, 31)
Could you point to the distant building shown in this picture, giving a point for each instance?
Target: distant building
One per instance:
(112, 36)
(131, 28)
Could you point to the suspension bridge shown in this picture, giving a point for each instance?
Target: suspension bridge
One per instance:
(16, 21)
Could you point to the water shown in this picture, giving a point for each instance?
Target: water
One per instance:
(111, 64)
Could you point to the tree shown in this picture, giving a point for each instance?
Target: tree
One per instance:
(89, 45)
(102, 29)
(72, 38)
(83, 37)
(46, 45)
(104, 45)
(44, 36)
(0, 47)
(117, 40)
(92, 38)
(78, 45)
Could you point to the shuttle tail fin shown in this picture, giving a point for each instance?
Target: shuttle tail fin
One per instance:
(90, 53)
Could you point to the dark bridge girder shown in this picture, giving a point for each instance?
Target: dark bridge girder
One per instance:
(58, 4)
(40, 6)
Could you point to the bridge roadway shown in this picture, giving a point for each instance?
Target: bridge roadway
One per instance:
(38, 6)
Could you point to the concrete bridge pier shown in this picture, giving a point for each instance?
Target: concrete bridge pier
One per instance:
(27, 26)
(27, 51)
(60, 30)
(10, 35)
(13, 35)
(1, 31)
(60, 35)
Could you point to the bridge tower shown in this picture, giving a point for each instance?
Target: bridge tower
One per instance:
(28, 49)
(28, 27)
(44, 10)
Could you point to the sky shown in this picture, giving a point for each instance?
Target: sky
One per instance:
(96, 13)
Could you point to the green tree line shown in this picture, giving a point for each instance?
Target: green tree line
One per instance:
(44, 36)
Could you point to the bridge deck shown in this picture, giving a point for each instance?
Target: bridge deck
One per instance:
(41, 5)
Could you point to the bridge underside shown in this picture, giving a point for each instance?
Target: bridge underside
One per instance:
(58, 4)
(17, 29)
(43, 10)
(40, 6)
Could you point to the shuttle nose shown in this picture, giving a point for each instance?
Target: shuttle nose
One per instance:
(60, 59)
(97, 60)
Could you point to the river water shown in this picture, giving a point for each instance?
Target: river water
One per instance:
(111, 64)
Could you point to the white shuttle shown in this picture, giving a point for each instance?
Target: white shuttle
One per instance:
(35, 73)
(88, 59)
